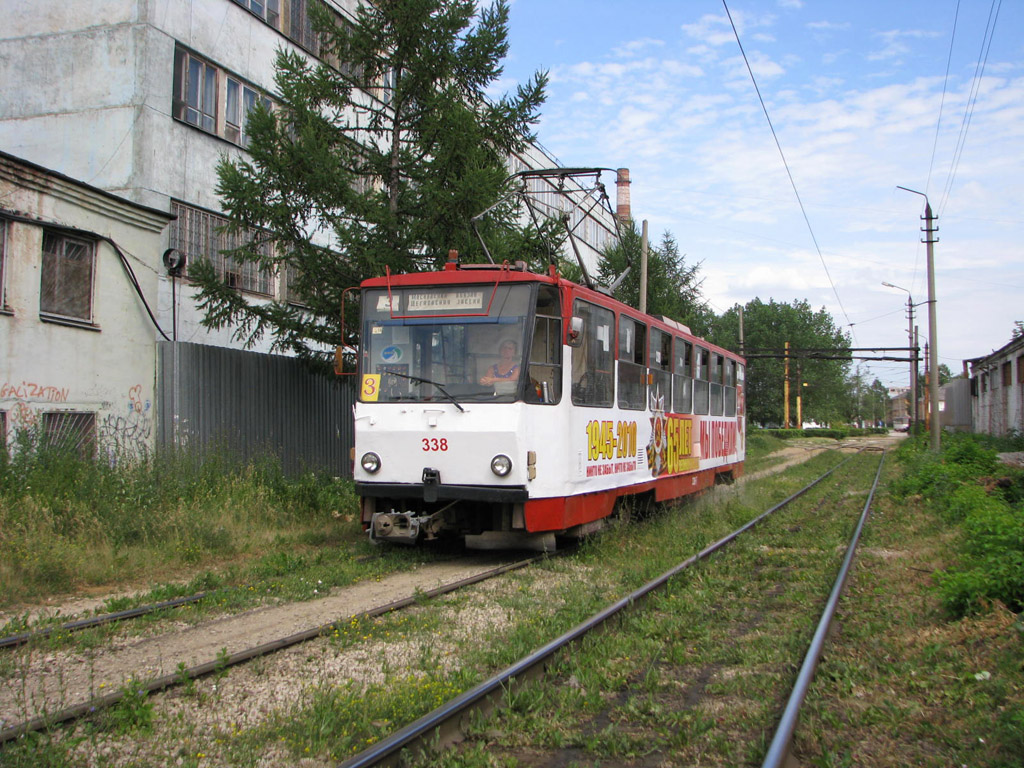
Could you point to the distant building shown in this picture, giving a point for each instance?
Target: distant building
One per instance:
(997, 390)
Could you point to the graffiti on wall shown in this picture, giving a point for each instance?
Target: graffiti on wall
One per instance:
(30, 390)
(127, 431)
(122, 430)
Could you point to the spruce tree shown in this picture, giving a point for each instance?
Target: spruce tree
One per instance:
(374, 157)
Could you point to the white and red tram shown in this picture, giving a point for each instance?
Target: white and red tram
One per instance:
(591, 402)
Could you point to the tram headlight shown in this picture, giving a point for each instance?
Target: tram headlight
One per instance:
(501, 465)
(370, 462)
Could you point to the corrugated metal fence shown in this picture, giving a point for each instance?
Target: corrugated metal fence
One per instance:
(253, 404)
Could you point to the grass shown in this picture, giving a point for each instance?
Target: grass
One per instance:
(697, 674)
(70, 524)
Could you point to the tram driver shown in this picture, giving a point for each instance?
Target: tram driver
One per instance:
(507, 368)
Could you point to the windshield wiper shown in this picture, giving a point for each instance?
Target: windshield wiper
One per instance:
(421, 380)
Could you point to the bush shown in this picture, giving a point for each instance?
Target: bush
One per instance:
(957, 484)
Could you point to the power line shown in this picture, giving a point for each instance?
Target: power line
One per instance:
(942, 102)
(972, 98)
(785, 163)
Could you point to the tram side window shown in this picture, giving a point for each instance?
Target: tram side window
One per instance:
(594, 359)
(546, 350)
(632, 364)
(730, 388)
(682, 377)
(717, 377)
(701, 384)
(660, 364)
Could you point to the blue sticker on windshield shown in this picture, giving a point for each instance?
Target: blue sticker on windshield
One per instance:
(391, 354)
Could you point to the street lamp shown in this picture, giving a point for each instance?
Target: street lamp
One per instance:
(912, 348)
(933, 336)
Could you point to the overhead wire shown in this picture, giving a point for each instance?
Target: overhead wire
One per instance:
(972, 99)
(785, 163)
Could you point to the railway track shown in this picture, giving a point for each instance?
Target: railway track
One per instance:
(445, 725)
(183, 675)
(449, 728)
(21, 638)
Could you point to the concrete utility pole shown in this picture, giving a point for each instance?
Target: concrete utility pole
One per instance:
(785, 389)
(912, 350)
(643, 270)
(933, 336)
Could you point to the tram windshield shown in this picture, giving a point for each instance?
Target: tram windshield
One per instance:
(459, 343)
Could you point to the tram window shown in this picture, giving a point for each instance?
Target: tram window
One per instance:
(730, 388)
(594, 358)
(660, 364)
(632, 379)
(545, 382)
(682, 377)
(717, 395)
(701, 385)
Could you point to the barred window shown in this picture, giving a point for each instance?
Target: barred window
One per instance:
(66, 276)
(200, 234)
(71, 431)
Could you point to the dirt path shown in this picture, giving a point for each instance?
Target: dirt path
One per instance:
(47, 682)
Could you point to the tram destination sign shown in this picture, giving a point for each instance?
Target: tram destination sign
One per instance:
(454, 300)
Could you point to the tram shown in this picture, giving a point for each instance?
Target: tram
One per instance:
(513, 408)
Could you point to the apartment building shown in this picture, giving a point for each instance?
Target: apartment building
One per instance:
(140, 100)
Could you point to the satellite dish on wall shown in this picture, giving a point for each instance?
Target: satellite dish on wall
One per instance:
(174, 261)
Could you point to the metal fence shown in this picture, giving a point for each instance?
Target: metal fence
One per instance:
(253, 404)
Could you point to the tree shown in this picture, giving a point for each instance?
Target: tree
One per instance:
(673, 286)
(767, 327)
(374, 158)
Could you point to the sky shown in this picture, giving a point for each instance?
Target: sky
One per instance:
(860, 101)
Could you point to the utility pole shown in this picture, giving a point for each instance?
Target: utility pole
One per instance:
(740, 308)
(643, 270)
(912, 350)
(799, 397)
(785, 390)
(933, 337)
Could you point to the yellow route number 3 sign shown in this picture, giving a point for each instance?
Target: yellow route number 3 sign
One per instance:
(371, 387)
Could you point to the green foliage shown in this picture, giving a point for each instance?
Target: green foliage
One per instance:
(673, 286)
(377, 164)
(767, 327)
(990, 557)
(65, 519)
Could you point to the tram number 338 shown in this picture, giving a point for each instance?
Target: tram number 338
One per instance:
(611, 439)
(433, 444)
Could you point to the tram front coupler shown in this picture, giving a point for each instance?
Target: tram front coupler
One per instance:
(403, 527)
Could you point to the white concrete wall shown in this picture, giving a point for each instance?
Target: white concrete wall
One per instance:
(107, 368)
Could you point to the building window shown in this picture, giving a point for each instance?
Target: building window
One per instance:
(1020, 370)
(268, 10)
(300, 26)
(1007, 374)
(241, 99)
(72, 431)
(195, 91)
(200, 234)
(211, 99)
(67, 275)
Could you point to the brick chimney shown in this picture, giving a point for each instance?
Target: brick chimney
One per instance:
(622, 207)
